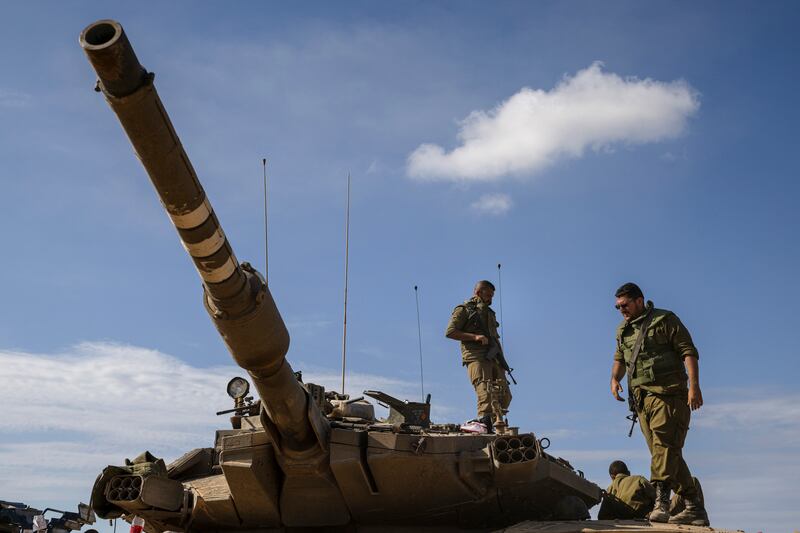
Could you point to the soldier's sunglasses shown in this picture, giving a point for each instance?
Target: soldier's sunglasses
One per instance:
(623, 306)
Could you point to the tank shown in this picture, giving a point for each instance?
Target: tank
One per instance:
(16, 517)
(296, 455)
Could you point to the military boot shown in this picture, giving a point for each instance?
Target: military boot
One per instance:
(660, 512)
(693, 514)
(486, 420)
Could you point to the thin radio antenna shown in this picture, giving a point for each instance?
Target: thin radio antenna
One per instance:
(346, 269)
(500, 298)
(266, 227)
(419, 336)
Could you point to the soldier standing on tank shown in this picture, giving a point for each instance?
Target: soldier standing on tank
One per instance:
(475, 325)
(665, 385)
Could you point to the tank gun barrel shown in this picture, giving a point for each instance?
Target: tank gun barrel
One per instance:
(236, 297)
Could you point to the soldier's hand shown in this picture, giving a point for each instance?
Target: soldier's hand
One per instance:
(695, 397)
(483, 339)
(616, 388)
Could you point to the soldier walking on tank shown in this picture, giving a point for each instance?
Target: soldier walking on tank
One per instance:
(664, 382)
(475, 325)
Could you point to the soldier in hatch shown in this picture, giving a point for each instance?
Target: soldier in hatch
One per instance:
(628, 496)
(664, 381)
(475, 325)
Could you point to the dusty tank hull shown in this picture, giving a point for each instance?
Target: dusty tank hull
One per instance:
(289, 462)
(607, 526)
(387, 476)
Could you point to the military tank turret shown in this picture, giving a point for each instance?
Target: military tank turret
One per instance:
(300, 456)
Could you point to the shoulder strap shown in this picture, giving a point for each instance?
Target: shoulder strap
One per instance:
(637, 346)
(473, 314)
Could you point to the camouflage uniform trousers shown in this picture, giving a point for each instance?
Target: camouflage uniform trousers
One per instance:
(664, 419)
(481, 370)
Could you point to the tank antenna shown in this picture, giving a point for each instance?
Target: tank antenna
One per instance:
(346, 268)
(500, 301)
(266, 228)
(419, 336)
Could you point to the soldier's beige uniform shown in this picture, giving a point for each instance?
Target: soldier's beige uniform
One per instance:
(627, 497)
(660, 388)
(473, 354)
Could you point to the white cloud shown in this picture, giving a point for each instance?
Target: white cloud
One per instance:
(14, 99)
(54, 469)
(492, 204)
(772, 421)
(67, 416)
(309, 323)
(753, 489)
(669, 157)
(356, 382)
(106, 390)
(535, 128)
(601, 455)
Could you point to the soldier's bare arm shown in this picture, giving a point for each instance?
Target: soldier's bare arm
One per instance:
(459, 335)
(617, 373)
(693, 370)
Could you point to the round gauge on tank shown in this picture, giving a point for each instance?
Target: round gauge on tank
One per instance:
(238, 388)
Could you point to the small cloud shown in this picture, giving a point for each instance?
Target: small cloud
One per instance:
(14, 99)
(560, 433)
(535, 128)
(356, 382)
(372, 168)
(102, 390)
(777, 416)
(669, 157)
(492, 204)
(602, 455)
(305, 324)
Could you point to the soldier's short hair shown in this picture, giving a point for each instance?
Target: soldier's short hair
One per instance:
(484, 284)
(630, 290)
(618, 467)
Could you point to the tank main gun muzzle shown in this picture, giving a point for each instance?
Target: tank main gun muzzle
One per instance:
(130, 91)
(236, 297)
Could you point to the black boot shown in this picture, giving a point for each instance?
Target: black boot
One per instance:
(693, 514)
(486, 420)
(660, 512)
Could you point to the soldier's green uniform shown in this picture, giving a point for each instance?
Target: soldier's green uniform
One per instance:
(659, 384)
(627, 497)
(474, 316)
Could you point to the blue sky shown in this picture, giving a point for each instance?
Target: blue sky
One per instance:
(691, 191)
